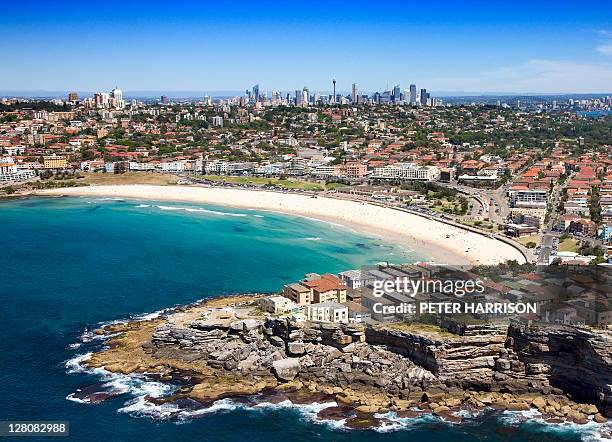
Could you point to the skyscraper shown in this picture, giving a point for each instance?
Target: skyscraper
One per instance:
(73, 96)
(413, 96)
(164, 99)
(256, 93)
(355, 93)
(396, 93)
(423, 97)
(117, 96)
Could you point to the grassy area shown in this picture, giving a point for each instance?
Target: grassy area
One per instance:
(569, 245)
(332, 186)
(129, 178)
(446, 205)
(527, 239)
(422, 328)
(483, 225)
(287, 183)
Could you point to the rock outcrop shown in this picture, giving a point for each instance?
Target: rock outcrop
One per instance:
(563, 372)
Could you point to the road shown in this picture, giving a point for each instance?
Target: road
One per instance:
(491, 204)
(546, 249)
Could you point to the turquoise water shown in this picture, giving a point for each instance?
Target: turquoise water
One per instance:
(70, 263)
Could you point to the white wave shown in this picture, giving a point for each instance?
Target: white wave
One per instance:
(139, 406)
(151, 316)
(217, 406)
(259, 216)
(74, 346)
(200, 210)
(71, 397)
(75, 364)
(143, 205)
(589, 432)
(307, 411)
(110, 198)
(134, 384)
(400, 423)
(331, 223)
(313, 238)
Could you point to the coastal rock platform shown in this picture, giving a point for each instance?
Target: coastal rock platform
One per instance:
(226, 348)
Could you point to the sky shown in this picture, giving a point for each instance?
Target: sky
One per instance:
(460, 46)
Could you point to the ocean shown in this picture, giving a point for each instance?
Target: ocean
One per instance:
(70, 264)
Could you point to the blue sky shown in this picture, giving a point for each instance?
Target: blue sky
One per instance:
(518, 46)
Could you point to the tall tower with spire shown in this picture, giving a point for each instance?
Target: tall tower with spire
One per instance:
(334, 96)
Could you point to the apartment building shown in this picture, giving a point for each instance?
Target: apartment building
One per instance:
(317, 289)
(55, 162)
(407, 171)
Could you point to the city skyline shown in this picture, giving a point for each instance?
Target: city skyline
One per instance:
(473, 47)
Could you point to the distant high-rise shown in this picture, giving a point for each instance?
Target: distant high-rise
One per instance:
(385, 97)
(355, 93)
(164, 99)
(255, 94)
(423, 97)
(117, 96)
(334, 96)
(73, 96)
(413, 96)
(396, 94)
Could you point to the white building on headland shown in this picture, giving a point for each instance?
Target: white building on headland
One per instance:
(277, 304)
(327, 312)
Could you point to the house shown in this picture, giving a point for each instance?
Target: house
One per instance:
(327, 312)
(356, 278)
(356, 311)
(277, 304)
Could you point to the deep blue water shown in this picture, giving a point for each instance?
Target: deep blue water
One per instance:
(68, 264)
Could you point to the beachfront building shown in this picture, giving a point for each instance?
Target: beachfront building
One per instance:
(9, 172)
(356, 170)
(54, 162)
(327, 312)
(406, 171)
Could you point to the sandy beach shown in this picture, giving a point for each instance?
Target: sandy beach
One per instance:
(434, 240)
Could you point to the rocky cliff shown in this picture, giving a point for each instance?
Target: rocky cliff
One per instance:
(564, 372)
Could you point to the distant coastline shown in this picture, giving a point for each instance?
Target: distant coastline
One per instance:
(440, 242)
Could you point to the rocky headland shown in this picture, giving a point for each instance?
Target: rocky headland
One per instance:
(227, 348)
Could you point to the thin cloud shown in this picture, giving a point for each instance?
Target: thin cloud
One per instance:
(553, 76)
(605, 50)
(605, 33)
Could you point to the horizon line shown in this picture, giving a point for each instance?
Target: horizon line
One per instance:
(50, 93)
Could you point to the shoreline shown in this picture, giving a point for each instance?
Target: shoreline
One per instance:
(163, 348)
(434, 240)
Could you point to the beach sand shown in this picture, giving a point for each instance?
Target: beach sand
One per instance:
(434, 240)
